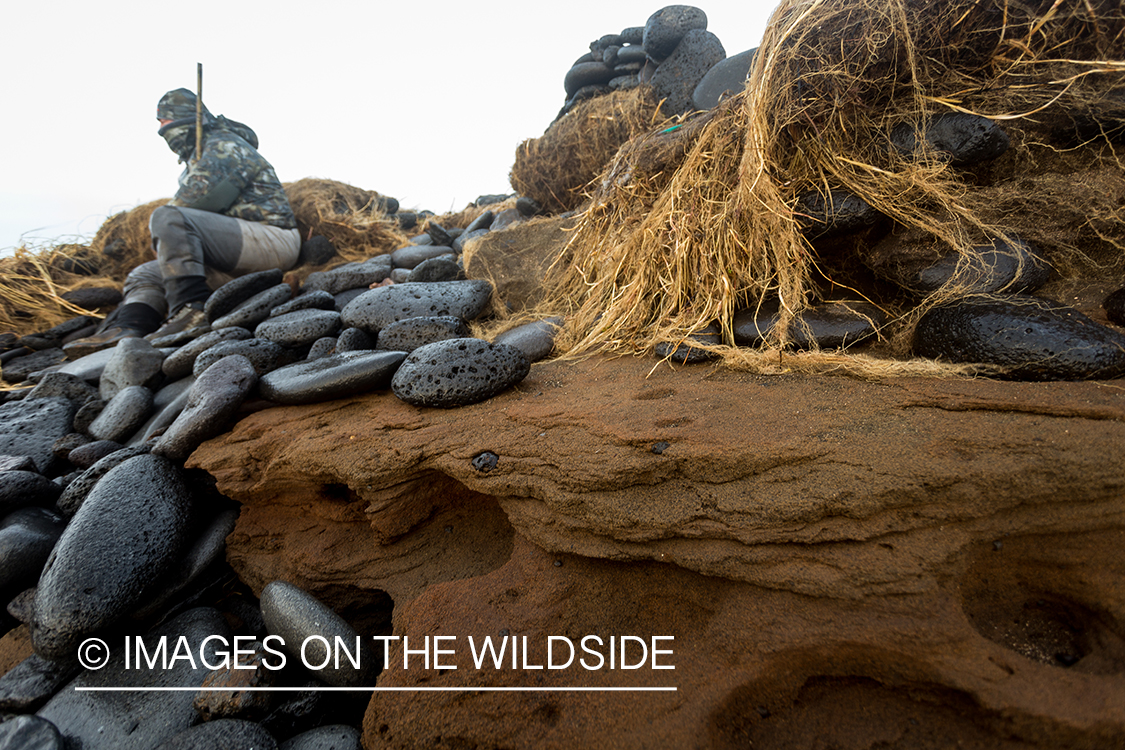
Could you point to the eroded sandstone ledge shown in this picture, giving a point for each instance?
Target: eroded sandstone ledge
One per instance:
(942, 557)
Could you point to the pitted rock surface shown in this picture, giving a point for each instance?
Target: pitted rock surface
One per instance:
(256, 309)
(212, 402)
(75, 493)
(667, 26)
(410, 333)
(30, 428)
(63, 385)
(457, 372)
(443, 268)
(103, 720)
(300, 328)
(350, 276)
(378, 308)
(411, 255)
(27, 537)
(296, 616)
(123, 414)
(134, 362)
(141, 505)
(676, 78)
(960, 137)
(179, 363)
(19, 488)
(1030, 338)
(332, 376)
(535, 340)
(760, 531)
(354, 340)
(264, 355)
(317, 299)
(234, 293)
(322, 347)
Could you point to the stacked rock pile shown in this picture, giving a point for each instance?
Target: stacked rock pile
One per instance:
(672, 52)
(106, 534)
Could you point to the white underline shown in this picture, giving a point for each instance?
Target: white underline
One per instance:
(376, 689)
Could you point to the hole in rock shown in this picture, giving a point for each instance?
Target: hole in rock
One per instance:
(1046, 599)
(858, 713)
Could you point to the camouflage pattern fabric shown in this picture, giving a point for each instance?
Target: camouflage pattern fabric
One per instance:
(233, 179)
(230, 177)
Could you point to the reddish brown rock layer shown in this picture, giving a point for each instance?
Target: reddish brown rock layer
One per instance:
(904, 561)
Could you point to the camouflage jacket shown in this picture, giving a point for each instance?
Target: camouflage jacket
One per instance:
(233, 179)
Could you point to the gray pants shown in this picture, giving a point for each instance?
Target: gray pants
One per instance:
(190, 242)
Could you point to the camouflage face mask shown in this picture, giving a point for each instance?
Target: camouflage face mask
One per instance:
(180, 137)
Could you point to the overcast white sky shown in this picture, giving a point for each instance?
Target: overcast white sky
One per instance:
(423, 101)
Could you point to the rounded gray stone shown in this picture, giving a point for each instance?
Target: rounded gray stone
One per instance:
(19, 489)
(725, 79)
(127, 533)
(168, 403)
(318, 299)
(123, 415)
(458, 372)
(960, 137)
(30, 428)
(667, 26)
(442, 268)
(409, 334)
(322, 347)
(256, 309)
(75, 493)
(134, 362)
(331, 737)
(535, 340)
(378, 308)
(237, 291)
(85, 456)
(301, 619)
(104, 720)
(586, 74)
(354, 340)
(223, 734)
(1031, 338)
(63, 385)
(263, 355)
(332, 376)
(676, 78)
(179, 363)
(30, 733)
(411, 255)
(211, 404)
(299, 328)
(27, 537)
(350, 276)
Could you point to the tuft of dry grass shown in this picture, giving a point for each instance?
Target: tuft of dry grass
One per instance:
(352, 218)
(555, 169)
(688, 225)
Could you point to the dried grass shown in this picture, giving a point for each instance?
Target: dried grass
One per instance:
(350, 217)
(708, 228)
(555, 169)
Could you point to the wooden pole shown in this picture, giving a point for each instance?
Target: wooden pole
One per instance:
(198, 111)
